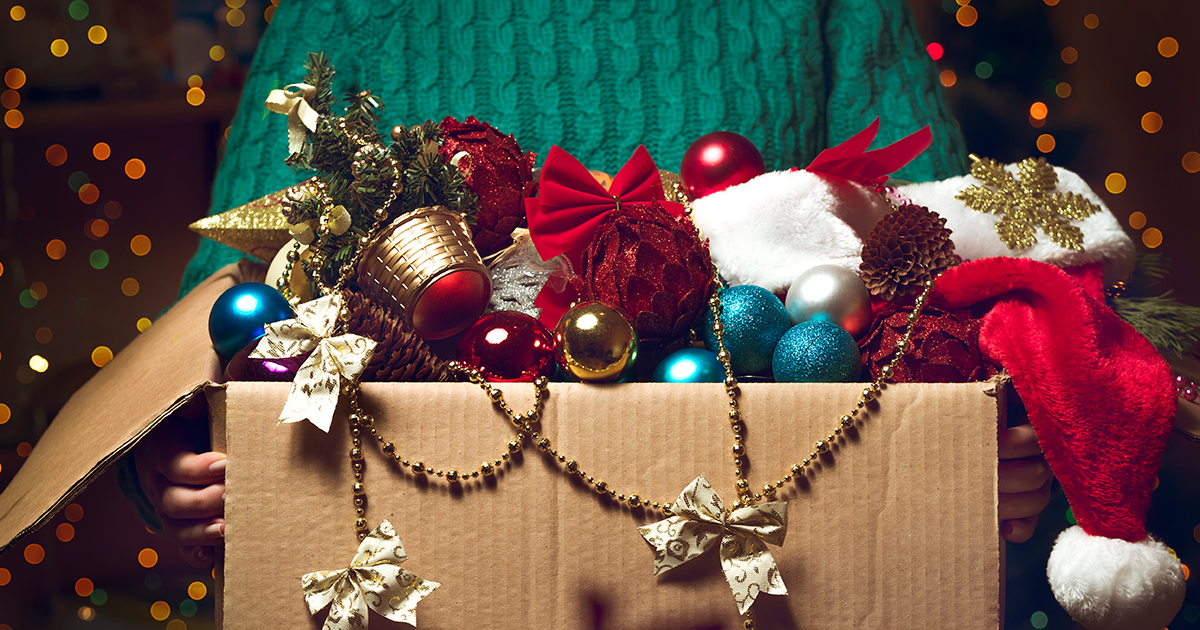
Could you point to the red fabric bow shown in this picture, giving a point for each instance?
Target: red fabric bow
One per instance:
(571, 204)
(852, 161)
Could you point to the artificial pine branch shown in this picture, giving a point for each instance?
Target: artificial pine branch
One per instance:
(1166, 323)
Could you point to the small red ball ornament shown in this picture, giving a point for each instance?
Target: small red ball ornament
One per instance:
(717, 161)
(508, 346)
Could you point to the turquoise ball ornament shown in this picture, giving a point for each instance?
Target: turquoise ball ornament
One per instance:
(241, 313)
(817, 351)
(753, 320)
(690, 365)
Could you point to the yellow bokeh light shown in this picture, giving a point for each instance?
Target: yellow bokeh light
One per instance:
(5, 413)
(966, 15)
(34, 554)
(14, 78)
(101, 356)
(1050, 3)
(1045, 143)
(1152, 122)
(43, 335)
(135, 168)
(195, 81)
(1038, 110)
(235, 4)
(216, 53)
(38, 363)
(1063, 90)
(56, 249)
(97, 34)
(112, 209)
(17, 13)
(1167, 47)
(140, 245)
(1070, 55)
(1191, 162)
(143, 324)
(101, 151)
(39, 290)
(1152, 238)
(74, 512)
(130, 287)
(13, 118)
(235, 18)
(5, 577)
(89, 193)
(1114, 183)
(1137, 220)
(56, 154)
(195, 96)
(948, 78)
(176, 624)
(1091, 20)
(65, 532)
(1142, 78)
(160, 610)
(197, 590)
(269, 14)
(148, 558)
(10, 99)
(84, 587)
(97, 228)
(59, 48)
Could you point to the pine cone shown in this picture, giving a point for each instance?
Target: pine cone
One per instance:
(906, 248)
(401, 355)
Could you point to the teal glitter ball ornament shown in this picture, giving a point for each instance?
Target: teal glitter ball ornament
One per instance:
(690, 365)
(241, 313)
(817, 351)
(753, 320)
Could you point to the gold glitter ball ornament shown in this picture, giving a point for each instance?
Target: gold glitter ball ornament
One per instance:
(595, 343)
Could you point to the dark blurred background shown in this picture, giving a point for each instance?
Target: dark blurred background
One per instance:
(116, 112)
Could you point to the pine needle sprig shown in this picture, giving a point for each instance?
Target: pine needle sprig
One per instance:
(1170, 326)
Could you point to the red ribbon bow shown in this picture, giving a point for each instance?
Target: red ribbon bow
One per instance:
(852, 161)
(571, 204)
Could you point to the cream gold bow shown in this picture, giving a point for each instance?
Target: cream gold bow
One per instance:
(318, 382)
(374, 579)
(293, 101)
(701, 520)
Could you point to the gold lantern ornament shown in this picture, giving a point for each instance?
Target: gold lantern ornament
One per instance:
(426, 268)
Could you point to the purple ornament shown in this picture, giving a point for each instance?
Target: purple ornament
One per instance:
(244, 368)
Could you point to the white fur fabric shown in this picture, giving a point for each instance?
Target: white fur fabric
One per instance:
(974, 233)
(1110, 584)
(776, 226)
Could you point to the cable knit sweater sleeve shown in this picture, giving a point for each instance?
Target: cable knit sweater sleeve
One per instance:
(601, 77)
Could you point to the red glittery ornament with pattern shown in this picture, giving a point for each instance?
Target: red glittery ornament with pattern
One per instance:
(944, 345)
(652, 266)
(497, 171)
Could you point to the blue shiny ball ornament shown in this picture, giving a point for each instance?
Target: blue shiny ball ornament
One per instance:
(241, 313)
(817, 351)
(753, 320)
(690, 365)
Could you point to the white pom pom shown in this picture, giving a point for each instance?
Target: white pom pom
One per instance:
(1111, 584)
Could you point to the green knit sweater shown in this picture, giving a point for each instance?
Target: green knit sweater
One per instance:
(599, 78)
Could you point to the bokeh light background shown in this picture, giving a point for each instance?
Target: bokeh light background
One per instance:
(115, 115)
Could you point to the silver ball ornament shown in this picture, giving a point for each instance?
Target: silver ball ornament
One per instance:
(833, 294)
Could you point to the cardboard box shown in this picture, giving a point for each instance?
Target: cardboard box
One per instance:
(896, 528)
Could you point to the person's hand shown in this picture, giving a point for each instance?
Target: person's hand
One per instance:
(1025, 480)
(186, 489)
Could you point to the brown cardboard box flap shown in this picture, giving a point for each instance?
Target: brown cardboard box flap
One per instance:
(153, 376)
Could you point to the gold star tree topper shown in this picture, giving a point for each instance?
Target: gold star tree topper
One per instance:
(257, 228)
(1027, 202)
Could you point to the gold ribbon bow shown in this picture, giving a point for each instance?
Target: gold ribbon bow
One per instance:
(701, 520)
(373, 580)
(293, 101)
(318, 382)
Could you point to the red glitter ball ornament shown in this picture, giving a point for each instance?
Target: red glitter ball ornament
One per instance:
(497, 171)
(507, 346)
(717, 161)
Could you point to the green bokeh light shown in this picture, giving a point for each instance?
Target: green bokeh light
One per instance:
(78, 10)
(27, 300)
(187, 608)
(1191, 614)
(98, 259)
(983, 70)
(153, 581)
(1039, 620)
(77, 180)
(99, 597)
(1070, 516)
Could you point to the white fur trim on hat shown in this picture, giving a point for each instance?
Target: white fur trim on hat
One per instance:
(1111, 584)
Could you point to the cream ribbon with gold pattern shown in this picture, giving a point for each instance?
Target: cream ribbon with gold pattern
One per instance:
(373, 580)
(293, 102)
(701, 520)
(318, 382)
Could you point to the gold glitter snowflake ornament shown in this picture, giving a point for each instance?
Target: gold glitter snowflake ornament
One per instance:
(1027, 203)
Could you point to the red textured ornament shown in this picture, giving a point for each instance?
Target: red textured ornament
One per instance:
(717, 161)
(508, 346)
